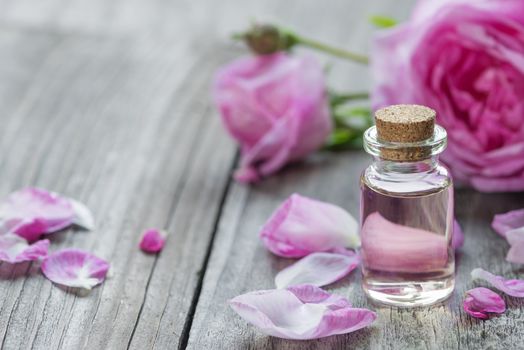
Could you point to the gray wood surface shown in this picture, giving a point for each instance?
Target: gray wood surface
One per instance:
(108, 102)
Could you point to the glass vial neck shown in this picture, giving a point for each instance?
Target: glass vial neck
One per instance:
(421, 166)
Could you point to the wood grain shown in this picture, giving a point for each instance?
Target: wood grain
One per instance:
(240, 263)
(125, 127)
(108, 102)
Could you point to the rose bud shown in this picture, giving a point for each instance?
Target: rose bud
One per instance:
(264, 39)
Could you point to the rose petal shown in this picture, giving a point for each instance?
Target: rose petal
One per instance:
(458, 236)
(387, 246)
(502, 223)
(15, 249)
(75, 268)
(83, 216)
(318, 269)
(153, 240)
(505, 184)
(246, 175)
(32, 212)
(480, 302)
(516, 251)
(282, 314)
(514, 288)
(302, 225)
(308, 293)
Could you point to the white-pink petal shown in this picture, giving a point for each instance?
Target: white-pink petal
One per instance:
(83, 216)
(505, 222)
(515, 288)
(298, 315)
(318, 269)
(153, 240)
(75, 268)
(15, 249)
(516, 251)
(31, 212)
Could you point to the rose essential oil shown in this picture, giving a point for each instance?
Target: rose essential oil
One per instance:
(406, 215)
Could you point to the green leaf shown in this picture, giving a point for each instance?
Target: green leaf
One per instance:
(342, 139)
(355, 118)
(327, 69)
(339, 137)
(383, 21)
(336, 98)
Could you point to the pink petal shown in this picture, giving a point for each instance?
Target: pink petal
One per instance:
(458, 236)
(308, 293)
(391, 247)
(75, 268)
(515, 288)
(83, 216)
(32, 212)
(318, 269)
(302, 225)
(15, 249)
(281, 313)
(516, 251)
(246, 175)
(480, 302)
(502, 223)
(504, 184)
(153, 240)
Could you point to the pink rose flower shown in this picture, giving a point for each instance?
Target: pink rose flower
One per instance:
(275, 107)
(465, 59)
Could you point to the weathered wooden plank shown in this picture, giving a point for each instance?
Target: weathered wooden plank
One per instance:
(107, 101)
(239, 263)
(126, 127)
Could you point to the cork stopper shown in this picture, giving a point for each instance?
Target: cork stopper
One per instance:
(405, 124)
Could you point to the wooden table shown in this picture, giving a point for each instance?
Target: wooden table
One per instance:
(108, 102)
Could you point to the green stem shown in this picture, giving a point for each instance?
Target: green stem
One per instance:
(341, 98)
(238, 36)
(332, 50)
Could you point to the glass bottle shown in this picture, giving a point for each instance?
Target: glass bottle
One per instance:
(406, 211)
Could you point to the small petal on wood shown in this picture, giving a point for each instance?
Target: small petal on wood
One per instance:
(301, 226)
(318, 269)
(481, 302)
(15, 249)
(516, 251)
(515, 288)
(83, 216)
(282, 313)
(153, 240)
(75, 268)
(511, 220)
